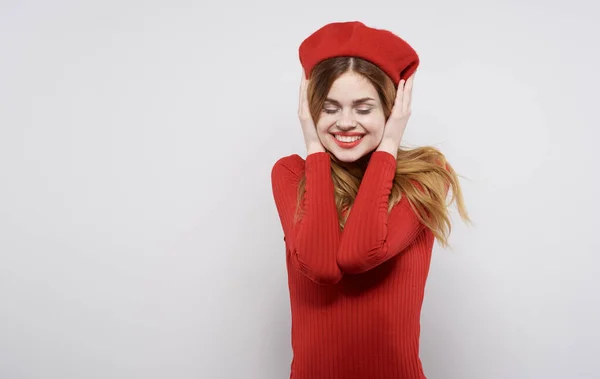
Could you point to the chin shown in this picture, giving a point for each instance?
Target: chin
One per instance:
(348, 155)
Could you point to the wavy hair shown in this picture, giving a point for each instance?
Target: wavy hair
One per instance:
(423, 174)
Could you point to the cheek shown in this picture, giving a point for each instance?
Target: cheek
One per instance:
(324, 124)
(374, 125)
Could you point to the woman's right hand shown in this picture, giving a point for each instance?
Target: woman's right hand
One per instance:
(309, 130)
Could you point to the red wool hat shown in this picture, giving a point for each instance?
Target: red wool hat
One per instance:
(381, 47)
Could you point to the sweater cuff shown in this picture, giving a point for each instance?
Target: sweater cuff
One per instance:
(384, 164)
(317, 162)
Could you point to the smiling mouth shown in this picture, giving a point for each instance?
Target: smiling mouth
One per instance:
(347, 139)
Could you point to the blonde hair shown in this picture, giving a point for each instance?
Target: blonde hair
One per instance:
(423, 174)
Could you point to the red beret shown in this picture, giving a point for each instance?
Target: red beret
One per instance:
(381, 47)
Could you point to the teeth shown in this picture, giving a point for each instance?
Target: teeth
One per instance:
(347, 138)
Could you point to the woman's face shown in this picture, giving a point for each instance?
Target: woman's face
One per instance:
(352, 120)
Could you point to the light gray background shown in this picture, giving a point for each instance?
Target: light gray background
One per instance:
(138, 235)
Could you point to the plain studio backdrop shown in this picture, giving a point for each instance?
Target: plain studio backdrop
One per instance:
(138, 233)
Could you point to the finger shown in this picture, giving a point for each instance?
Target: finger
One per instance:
(303, 101)
(399, 97)
(409, 82)
(408, 94)
(301, 89)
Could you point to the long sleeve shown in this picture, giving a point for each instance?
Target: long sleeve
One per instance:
(314, 239)
(371, 235)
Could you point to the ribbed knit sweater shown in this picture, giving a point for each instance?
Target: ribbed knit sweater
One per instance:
(356, 294)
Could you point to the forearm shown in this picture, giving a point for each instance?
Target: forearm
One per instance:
(364, 242)
(318, 231)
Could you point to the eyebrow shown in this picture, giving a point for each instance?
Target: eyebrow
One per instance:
(355, 102)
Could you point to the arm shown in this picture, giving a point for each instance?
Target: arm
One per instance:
(314, 240)
(371, 235)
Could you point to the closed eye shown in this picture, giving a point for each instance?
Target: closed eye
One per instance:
(359, 111)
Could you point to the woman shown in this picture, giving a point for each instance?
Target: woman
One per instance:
(360, 214)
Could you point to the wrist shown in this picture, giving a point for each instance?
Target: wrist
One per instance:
(389, 146)
(314, 147)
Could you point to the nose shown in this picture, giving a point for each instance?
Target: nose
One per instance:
(346, 123)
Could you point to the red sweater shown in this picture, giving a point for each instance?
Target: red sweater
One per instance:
(355, 295)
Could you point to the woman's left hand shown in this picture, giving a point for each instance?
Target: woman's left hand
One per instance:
(396, 123)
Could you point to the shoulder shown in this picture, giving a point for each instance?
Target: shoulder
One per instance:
(290, 166)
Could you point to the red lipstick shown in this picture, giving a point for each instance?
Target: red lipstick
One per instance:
(348, 145)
